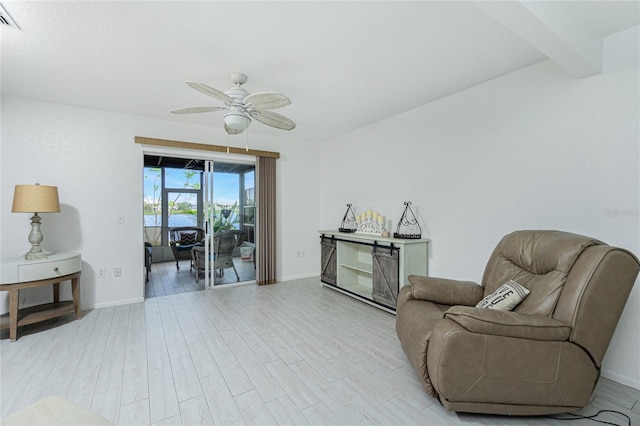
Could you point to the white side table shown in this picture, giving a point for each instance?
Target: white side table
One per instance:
(19, 273)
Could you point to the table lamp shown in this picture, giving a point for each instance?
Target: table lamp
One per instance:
(35, 199)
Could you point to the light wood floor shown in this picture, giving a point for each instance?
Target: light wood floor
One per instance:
(165, 279)
(289, 353)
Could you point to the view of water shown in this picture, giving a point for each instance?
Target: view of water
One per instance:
(174, 220)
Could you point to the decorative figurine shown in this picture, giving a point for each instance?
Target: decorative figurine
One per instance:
(349, 223)
(408, 226)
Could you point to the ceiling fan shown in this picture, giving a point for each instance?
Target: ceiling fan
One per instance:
(242, 106)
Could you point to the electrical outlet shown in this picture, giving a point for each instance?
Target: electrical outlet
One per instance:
(117, 271)
(298, 253)
(303, 254)
(102, 273)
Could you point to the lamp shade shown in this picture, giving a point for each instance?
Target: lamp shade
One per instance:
(35, 199)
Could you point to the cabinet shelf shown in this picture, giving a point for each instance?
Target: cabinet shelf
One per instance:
(357, 288)
(359, 266)
(38, 313)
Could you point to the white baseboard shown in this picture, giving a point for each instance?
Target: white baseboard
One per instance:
(299, 277)
(116, 303)
(624, 380)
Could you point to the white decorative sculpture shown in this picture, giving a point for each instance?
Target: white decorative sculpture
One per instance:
(370, 222)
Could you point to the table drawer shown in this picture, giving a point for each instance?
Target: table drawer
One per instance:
(44, 270)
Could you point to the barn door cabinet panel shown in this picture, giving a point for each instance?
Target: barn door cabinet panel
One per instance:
(369, 267)
(328, 261)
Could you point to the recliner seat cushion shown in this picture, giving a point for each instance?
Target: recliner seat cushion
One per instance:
(508, 324)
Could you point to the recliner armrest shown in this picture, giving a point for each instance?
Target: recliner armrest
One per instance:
(445, 291)
(509, 324)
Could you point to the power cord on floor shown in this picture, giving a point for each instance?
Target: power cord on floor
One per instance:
(593, 418)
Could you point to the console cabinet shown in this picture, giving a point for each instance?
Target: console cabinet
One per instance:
(369, 267)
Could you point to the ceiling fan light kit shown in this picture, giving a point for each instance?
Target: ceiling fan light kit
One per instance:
(242, 106)
(237, 121)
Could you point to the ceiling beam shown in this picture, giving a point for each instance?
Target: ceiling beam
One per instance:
(550, 28)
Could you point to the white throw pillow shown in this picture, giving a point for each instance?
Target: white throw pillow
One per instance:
(505, 298)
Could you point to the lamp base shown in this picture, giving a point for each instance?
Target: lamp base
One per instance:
(35, 238)
(31, 255)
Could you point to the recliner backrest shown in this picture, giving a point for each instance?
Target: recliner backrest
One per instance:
(540, 261)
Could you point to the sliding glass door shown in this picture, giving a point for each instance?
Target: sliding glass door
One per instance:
(217, 196)
(229, 206)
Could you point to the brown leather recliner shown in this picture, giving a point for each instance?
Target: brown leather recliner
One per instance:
(544, 357)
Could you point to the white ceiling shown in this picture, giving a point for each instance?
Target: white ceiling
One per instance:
(343, 64)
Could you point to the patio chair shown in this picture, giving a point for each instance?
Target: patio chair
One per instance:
(224, 244)
(182, 239)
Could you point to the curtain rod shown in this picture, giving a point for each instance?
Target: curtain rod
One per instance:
(205, 147)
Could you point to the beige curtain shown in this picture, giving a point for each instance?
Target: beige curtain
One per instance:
(266, 220)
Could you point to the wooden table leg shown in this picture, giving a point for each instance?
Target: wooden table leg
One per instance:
(13, 314)
(75, 291)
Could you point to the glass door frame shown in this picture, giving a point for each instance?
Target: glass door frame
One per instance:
(208, 219)
(207, 156)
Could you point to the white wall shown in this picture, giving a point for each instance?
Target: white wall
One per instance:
(92, 158)
(534, 149)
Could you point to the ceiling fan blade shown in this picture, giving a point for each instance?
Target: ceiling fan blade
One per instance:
(210, 91)
(273, 119)
(267, 100)
(193, 110)
(231, 131)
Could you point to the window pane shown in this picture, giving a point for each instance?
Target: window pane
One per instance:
(183, 208)
(182, 178)
(226, 192)
(249, 188)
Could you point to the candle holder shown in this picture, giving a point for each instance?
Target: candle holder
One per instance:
(370, 222)
(408, 226)
(369, 226)
(349, 223)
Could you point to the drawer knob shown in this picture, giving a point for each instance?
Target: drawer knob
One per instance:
(56, 269)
